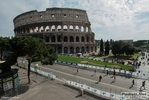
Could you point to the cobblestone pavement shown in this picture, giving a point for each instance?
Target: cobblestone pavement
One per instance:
(42, 89)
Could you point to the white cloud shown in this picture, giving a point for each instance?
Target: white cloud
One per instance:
(116, 19)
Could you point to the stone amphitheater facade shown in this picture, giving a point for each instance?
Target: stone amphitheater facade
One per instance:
(67, 30)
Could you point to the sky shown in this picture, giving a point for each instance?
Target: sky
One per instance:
(110, 19)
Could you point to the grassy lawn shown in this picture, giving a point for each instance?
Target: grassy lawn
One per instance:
(93, 62)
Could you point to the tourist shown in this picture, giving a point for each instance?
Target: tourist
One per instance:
(95, 72)
(143, 85)
(100, 77)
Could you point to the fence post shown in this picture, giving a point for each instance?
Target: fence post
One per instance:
(110, 93)
(101, 91)
(115, 93)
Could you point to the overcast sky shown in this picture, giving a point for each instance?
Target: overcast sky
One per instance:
(110, 19)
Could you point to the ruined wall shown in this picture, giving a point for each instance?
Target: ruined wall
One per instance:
(68, 30)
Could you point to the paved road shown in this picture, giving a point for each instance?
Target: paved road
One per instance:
(144, 68)
(85, 76)
(41, 89)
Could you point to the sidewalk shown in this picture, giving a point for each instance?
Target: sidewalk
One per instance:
(41, 89)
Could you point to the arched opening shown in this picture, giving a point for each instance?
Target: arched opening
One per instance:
(95, 49)
(28, 30)
(41, 29)
(59, 39)
(47, 29)
(71, 50)
(65, 50)
(36, 29)
(82, 50)
(71, 28)
(21, 31)
(24, 30)
(87, 49)
(86, 29)
(59, 50)
(82, 29)
(71, 39)
(53, 39)
(77, 39)
(31, 30)
(77, 50)
(53, 28)
(91, 49)
(82, 39)
(77, 28)
(92, 39)
(65, 28)
(65, 39)
(59, 28)
(47, 38)
(87, 39)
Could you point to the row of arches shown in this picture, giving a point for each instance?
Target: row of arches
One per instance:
(75, 49)
(54, 28)
(59, 38)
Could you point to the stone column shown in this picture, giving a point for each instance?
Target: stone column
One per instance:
(44, 27)
(49, 38)
(56, 28)
(62, 50)
(68, 50)
(56, 38)
(89, 29)
(84, 29)
(74, 49)
(79, 28)
(44, 37)
(74, 28)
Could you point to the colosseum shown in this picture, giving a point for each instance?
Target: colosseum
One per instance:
(67, 30)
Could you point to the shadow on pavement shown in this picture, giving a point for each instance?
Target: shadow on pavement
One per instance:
(131, 86)
(75, 73)
(78, 96)
(112, 82)
(97, 82)
(15, 92)
(105, 75)
(92, 75)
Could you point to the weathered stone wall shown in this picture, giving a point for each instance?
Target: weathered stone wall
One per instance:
(68, 30)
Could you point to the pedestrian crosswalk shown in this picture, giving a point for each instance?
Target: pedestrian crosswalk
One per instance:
(139, 84)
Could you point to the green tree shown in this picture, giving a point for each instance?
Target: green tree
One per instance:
(140, 43)
(11, 59)
(4, 44)
(107, 47)
(101, 47)
(120, 47)
(35, 50)
(111, 41)
(117, 48)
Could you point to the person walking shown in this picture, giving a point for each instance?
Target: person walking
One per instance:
(133, 82)
(107, 72)
(77, 69)
(143, 85)
(114, 73)
(100, 77)
(95, 72)
(114, 77)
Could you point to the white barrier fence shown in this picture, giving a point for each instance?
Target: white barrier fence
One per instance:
(94, 90)
(49, 75)
(142, 74)
(81, 86)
